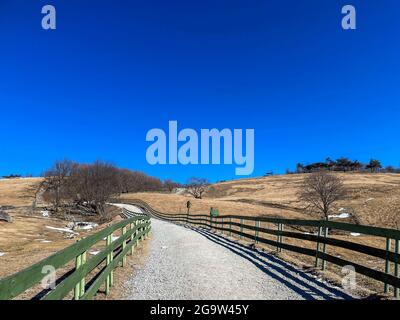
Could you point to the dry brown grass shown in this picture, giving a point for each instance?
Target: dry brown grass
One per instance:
(372, 199)
(18, 192)
(27, 240)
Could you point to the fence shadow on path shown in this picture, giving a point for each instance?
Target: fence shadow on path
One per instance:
(300, 282)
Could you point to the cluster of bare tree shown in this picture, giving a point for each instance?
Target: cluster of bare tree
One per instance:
(86, 188)
(345, 165)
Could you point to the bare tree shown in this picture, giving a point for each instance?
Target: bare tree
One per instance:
(93, 185)
(320, 191)
(55, 181)
(197, 186)
(170, 185)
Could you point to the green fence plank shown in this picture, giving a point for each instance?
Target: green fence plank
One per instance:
(68, 284)
(98, 282)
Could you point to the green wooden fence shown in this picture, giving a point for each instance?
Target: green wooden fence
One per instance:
(254, 231)
(114, 253)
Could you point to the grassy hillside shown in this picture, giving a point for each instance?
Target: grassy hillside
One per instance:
(372, 199)
(28, 239)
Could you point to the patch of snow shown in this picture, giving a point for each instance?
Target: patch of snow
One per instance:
(128, 207)
(94, 252)
(113, 238)
(180, 190)
(61, 230)
(85, 226)
(45, 214)
(2, 254)
(355, 234)
(342, 209)
(369, 199)
(164, 247)
(343, 215)
(46, 241)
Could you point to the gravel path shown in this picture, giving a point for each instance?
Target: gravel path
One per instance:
(197, 264)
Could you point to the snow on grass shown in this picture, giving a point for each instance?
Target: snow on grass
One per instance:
(85, 226)
(2, 254)
(113, 238)
(343, 215)
(62, 230)
(45, 214)
(128, 207)
(94, 252)
(355, 234)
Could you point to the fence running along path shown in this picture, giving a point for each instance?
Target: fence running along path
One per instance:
(133, 230)
(321, 239)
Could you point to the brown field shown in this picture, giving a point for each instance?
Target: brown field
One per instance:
(372, 199)
(27, 239)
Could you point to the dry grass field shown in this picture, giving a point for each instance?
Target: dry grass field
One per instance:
(28, 239)
(372, 199)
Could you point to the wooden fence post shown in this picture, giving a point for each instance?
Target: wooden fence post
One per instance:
(316, 256)
(83, 283)
(137, 232)
(387, 262)
(278, 238)
(78, 264)
(230, 226)
(324, 248)
(108, 261)
(256, 231)
(111, 260)
(241, 228)
(222, 220)
(123, 246)
(132, 236)
(396, 266)
(282, 226)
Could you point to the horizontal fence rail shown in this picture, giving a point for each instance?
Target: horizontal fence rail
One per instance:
(321, 239)
(133, 230)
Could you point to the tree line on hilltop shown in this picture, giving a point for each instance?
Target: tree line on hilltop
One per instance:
(344, 165)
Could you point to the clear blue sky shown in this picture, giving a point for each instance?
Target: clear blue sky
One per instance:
(115, 69)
